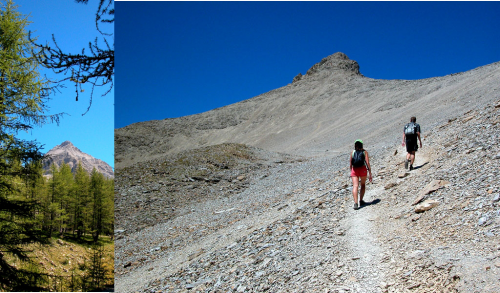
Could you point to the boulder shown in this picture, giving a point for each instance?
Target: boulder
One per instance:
(390, 185)
(403, 174)
(430, 188)
(426, 205)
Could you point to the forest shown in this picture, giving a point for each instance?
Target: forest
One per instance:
(79, 204)
(56, 232)
(76, 208)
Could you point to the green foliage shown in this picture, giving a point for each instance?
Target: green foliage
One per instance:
(102, 192)
(80, 204)
(95, 68)
(23, 94)
(32, 208)
(62, 202)
(97, 272)
(81, 201)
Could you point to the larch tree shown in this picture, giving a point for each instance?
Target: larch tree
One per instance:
(98, 195)
(109, 206)
(94, 66)
(63, 196)
(23, 97)
(81, 201)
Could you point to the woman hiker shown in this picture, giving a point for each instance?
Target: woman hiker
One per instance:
(359, 165)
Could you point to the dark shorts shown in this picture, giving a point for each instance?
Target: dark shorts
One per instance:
(411, 144)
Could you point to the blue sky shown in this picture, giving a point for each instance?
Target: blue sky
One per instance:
(73, 25)
(180, 58)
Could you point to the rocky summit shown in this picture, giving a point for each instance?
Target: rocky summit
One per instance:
(66, 152)
(256, 196)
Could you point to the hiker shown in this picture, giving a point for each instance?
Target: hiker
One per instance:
(359, 165)
(410, 134)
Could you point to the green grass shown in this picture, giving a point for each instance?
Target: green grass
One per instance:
(70, 257)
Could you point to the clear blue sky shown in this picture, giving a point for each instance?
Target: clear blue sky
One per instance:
(180, 58)
(73, 25)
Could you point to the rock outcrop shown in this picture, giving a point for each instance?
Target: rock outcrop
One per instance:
(336, 62)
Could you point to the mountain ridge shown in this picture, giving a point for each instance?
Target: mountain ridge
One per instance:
(71, 155)
(327, 109)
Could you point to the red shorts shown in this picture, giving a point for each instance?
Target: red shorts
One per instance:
(359, 171)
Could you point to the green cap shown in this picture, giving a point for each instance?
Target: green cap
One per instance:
(359, 141)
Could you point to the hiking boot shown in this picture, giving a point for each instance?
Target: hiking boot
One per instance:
(406, 164)
(362, 203)
(356, 206)
(411, 167)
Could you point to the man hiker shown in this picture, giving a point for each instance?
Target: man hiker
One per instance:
(410, 134)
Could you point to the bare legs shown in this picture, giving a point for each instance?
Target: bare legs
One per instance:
(356, 181)
(411, 157)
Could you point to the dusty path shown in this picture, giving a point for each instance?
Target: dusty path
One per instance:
(365, 250)
(369, 257)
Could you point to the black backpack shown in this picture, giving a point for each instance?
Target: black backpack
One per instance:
(358, 158)
(410, 128)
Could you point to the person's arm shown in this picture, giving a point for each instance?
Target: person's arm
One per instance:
(350, 162)
(368, 166)
(404, 136)
(418, 135)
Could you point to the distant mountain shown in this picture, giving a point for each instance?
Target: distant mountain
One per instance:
(327, 108)
(71, 155)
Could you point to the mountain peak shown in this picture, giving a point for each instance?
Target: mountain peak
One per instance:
(68, 153)
(66, 143)
(337, 63)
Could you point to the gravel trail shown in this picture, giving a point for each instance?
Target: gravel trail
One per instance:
(364, 245)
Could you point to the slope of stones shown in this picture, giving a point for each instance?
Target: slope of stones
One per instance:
(462, 235)
(157, 191)
(291, 226)
(325, 110)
